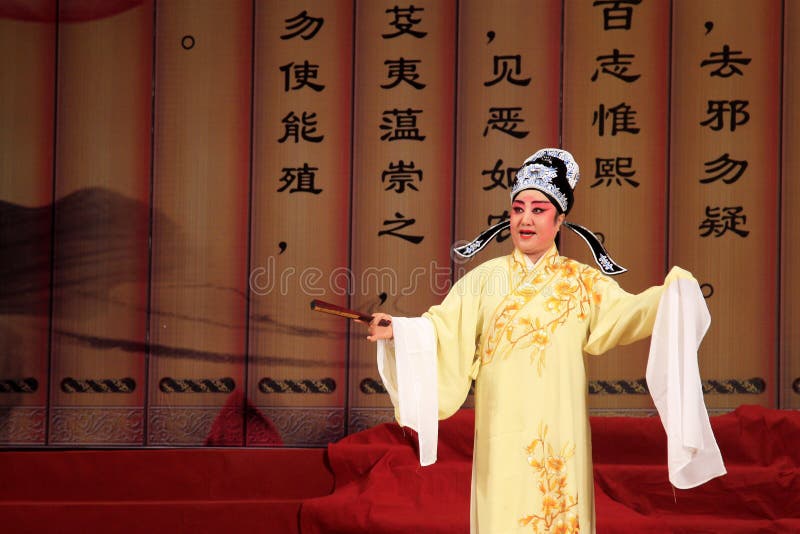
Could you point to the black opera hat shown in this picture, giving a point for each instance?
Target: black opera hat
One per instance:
(555, 173)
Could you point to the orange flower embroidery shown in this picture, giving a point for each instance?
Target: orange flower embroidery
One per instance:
(556, 514)
(566, 287)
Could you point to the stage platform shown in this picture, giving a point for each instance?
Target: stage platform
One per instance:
(220, 490)
(371, 482)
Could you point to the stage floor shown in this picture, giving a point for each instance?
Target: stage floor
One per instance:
(371, 482)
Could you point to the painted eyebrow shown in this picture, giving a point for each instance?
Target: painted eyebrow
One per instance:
(532, 202)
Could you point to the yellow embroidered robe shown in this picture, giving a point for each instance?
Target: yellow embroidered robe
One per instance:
(521, 332)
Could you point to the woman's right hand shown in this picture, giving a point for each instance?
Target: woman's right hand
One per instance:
(376, 331)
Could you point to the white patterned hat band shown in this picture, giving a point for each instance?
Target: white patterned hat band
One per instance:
(601, 257)
(552, 171)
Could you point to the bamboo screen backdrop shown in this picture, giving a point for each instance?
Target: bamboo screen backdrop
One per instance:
(179, 178)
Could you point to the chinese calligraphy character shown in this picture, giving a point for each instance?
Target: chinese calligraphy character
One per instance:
(401, 125)
(404, 22)
(303, 74)
(302, 178)
(717, 109)
(721, 220)
(303, 25)
(292, 128)
(499, 177)
(617, 17)
(622, 119)
(727, 64)
(724, 165)
(614, 65)
(401, 175)
(505, 120)
(401, 223)
(610, 170)
(403, 70)
(505, 68)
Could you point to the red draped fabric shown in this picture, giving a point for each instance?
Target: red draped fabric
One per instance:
(380, 486)
(371, 482)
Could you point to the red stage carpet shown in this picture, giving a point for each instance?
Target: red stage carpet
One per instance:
(154, 491)
(380, 487)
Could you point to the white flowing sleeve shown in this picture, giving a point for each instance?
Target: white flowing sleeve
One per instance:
(407, 366)
(673, 378)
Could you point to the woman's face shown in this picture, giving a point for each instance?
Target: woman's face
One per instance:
(534, 223)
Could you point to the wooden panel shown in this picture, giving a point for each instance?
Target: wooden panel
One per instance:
(300, 212)
(102, 211)
(27, 77)
(790, 230)
(403, 172)
(723, 216)
(615, 123)
(200, 232)
(508, 107)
